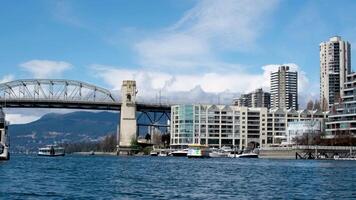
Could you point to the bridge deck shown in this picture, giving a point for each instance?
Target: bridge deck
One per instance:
(113, 106)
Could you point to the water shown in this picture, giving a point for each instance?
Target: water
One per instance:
(94, 177)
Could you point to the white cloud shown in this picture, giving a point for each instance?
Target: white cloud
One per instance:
(193, 87)
(64, 12)
(155, 80)
(196, 88)
(205, 30)
(7, 78)
(45, 68)
(20, 118)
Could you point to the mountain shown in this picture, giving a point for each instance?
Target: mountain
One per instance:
(71, 127)
(67, 128)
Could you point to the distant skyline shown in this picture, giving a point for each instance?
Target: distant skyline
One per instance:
(218, 49)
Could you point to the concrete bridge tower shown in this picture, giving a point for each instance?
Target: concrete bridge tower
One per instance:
(128, 122)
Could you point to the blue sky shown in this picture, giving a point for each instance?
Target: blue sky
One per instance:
(176, 46)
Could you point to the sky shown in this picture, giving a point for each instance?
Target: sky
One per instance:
(190, 51)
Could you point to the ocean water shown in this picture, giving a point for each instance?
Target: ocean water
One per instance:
(106, 177)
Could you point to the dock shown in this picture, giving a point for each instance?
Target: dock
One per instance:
(308, 152)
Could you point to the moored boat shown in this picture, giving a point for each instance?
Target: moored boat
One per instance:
(247, 155)
(337, 157)
(243, 155)
(51, 150)
(180, 153)
(223, 152)
(198, 151)
(154, 153)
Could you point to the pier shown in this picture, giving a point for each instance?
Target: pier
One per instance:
(307, 152)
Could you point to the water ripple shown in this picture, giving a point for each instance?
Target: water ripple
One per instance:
(86, 177)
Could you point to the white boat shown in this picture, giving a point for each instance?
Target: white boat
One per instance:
(198, 151)
(163, 153)
(244, 155)
(51, 150)
(154, 153)
(180, 153)
(4, 138)
(337, 157)
(220, 153)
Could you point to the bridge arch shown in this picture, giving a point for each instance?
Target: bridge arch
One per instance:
(57, 93)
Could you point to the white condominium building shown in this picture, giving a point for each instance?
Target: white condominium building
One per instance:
(335, 65)
(221, 125)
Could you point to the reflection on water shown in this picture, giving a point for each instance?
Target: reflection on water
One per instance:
(91, 177)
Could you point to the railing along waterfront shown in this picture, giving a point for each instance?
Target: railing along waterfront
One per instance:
(310, 147)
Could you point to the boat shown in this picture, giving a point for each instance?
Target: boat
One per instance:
(247, 155)
(4, 137)
(243, 155)
(337, 157)
(51, 150)
(163, 153)
(198, 151)
(223, 152)
(180, 153)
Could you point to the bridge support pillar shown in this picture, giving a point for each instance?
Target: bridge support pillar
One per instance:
(128, 123)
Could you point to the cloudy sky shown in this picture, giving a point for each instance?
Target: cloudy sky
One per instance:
(211, 49)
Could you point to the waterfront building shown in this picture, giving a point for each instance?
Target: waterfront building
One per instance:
(255, 99)
(335, 65)
(284, 88)
(342, 117)
(221, 125)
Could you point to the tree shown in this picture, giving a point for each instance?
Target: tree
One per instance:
(317, 105)
(166, 138)
(310, 105)
(148, 137)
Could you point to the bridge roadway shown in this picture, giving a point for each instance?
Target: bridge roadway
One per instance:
(72, 104)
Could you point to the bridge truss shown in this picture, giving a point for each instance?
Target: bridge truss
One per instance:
(58, 93)
(70, 94)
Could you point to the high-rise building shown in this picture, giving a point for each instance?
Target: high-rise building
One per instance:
(284, 88)
(335, 65)
(255, 99)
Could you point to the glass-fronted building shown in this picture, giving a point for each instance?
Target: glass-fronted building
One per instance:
(242, 127)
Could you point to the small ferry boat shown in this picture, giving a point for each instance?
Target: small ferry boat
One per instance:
(198, 151)
(4, 138)
(51, 150)
(180, 153)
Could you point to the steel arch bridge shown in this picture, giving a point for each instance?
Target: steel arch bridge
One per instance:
(56, 93)
(71, 94)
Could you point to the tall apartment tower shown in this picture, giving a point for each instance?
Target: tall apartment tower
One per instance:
(284, 88)
(335, 65)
